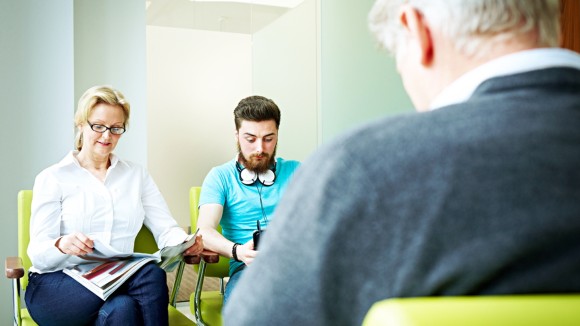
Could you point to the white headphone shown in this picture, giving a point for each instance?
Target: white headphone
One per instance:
(249, 178)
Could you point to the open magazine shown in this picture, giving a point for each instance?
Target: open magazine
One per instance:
(107, 269)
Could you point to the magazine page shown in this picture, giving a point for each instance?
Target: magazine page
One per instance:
(115, 279)
(102, 250)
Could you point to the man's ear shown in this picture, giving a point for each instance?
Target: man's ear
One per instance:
(418, 32)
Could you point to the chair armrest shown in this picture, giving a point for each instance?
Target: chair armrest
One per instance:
(13, 267)
(192, 260)
(208, 256)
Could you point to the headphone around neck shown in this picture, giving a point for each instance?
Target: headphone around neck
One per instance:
(249, 178)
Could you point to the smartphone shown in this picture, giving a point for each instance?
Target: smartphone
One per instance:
(257, 235)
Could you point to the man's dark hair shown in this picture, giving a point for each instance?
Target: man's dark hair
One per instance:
(256, 108)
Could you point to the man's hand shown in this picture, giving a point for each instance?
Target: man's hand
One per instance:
(75, 244)
(246, 252)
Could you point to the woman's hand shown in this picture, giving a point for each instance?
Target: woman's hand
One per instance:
(196, 248)
(75, 244)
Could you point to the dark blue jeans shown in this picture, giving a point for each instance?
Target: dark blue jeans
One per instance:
(57, 299)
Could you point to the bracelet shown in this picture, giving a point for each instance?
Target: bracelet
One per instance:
(234, 253)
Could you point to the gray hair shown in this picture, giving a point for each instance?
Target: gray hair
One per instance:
(474, 25)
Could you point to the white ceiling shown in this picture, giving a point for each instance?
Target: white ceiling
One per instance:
(275, 3)
(235, 16)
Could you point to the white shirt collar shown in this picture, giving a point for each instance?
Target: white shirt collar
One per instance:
(71, 158)
(463, 87)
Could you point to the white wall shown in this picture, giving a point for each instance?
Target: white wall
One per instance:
(195, 80)
(111, 51)
(358, 81)
(322, 65)
(36, 92)
(285, 69)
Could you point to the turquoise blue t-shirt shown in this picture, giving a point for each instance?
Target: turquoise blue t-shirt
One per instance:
(241, 202)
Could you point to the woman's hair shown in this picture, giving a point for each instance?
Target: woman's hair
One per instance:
(256, 108)
(472, 23)
(91, 98)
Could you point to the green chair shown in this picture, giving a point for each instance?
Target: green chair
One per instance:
(513, 310)
(16, 266)
(206, 306)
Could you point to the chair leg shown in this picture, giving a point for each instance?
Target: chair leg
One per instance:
(177, 283)
(197, 295)
(16, 301)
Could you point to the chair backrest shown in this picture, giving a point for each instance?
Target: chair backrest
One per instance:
(221, 268)
(24, 203)
(145, 242)
(513, 310)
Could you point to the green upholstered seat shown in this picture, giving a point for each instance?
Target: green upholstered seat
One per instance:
(513, 310)
(16, 266)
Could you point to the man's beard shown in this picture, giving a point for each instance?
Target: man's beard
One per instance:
(258, 166)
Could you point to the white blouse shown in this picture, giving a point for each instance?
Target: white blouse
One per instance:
(67, 198)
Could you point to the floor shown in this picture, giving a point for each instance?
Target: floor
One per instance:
(184, 308)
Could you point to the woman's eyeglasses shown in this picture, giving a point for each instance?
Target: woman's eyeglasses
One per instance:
(101, 129)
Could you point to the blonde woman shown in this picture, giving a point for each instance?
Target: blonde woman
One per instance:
(92, 193)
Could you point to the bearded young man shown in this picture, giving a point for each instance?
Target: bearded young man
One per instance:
(244, 191)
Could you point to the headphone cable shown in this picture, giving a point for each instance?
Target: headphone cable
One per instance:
(261, 203)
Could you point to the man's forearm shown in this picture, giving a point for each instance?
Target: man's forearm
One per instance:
(215, 241)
